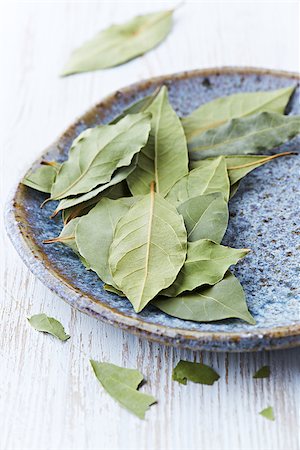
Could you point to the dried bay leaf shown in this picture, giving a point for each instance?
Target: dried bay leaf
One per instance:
(263, 372)
(252, 134)
(94, 234)
(90, 161)
(195, 372)
(209, 176)
(93, 196)
(122, 384)
(206, 263)
(148, 250)
(224, 300)
(164, 158)
(75, 211)
(67, 237)
(138, 106)
(239, 166)
(113, 290)
(114, 192)
(41, 322)
(268, 413)
(233, 189)
(221, 110)
(41, 179)
(120, 43)
(205, 217)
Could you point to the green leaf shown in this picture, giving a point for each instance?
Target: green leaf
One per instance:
(148, 250)
(41, 179)
(205, 217)
(90, 160)
(164, 158)
(94, 234)
(67, 237)
(113, 290)
(263, 372)
(252, 134)
(120, 43)
(209, 176)
(122, 384)
(41, 322)
(268, 413)
(224, 300)
(93, 196)
(195, 372)
(136, 107)
(223, 109)
(75, 211)
(206, 263)
(114, 192)
(239, 166)
(234, 188)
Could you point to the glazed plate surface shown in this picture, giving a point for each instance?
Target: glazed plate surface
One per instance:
(264, 216)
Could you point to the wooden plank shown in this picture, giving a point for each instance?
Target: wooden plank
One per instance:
(49, 398)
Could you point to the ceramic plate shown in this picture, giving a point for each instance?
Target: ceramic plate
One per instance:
(264, 216)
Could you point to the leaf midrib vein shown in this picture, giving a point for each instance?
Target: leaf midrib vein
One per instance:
(152, 194)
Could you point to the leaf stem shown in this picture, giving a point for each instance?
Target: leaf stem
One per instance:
(45, 201)
(50, 163)
(58, 239)
(152, 184)
(268, 158)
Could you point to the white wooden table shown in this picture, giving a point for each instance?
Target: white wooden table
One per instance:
(49, 397)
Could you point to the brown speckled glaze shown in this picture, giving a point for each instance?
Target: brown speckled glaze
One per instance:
(263, 217)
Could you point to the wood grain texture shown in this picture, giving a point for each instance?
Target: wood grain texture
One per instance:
(49, 397)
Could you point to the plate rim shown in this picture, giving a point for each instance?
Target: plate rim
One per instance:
(260, 339)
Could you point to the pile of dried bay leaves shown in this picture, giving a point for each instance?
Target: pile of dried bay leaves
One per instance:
(144, 199)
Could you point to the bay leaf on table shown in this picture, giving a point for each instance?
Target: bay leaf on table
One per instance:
(94, 234)
(41, 322)
(122, 384)
(206, 263)
(164, 158)
(195, 372)
(221, 110)
(224, 300)
(148, 249)
(90, 161)
(41, 179)
(209, 176)
(205, 217)
(92, 197)
(268, 413)
(120, 43)
(247, 135)
(263, 372)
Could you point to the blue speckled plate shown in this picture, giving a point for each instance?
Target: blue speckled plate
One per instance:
(264, 216)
